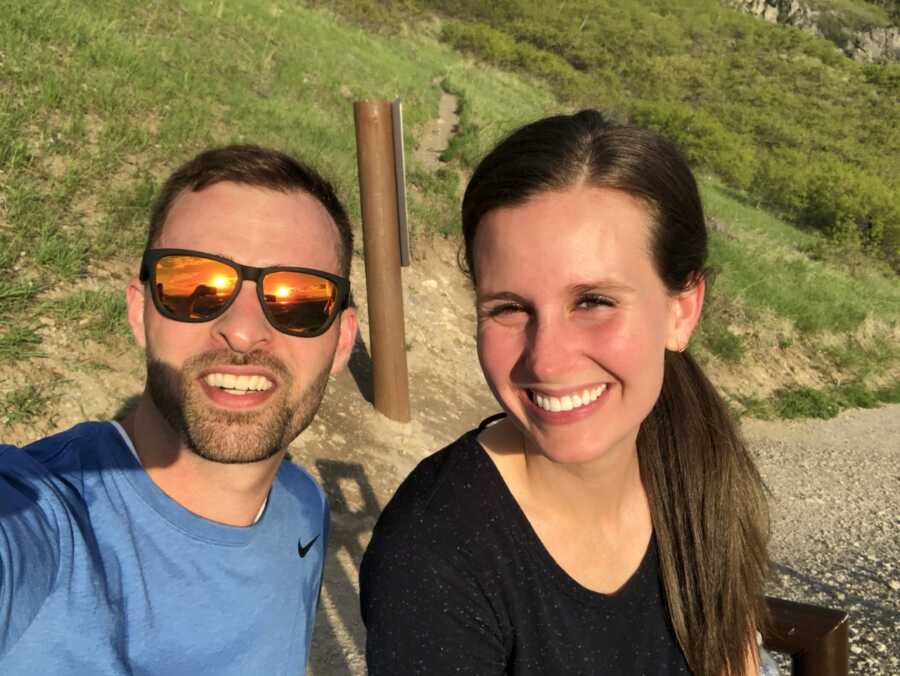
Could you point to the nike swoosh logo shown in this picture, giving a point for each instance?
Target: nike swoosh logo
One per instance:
(302, 549)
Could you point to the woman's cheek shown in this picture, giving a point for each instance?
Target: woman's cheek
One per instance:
(622, 338)
(499, 348)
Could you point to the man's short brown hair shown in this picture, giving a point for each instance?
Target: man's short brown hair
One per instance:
(255, 166)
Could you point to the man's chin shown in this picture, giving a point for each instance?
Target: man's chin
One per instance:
(226, 454)
(235, 436)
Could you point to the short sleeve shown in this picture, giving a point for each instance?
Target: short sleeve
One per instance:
(425, 613)
(29, 544)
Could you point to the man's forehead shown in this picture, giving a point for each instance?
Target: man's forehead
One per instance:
(228, 194)
(230, 218)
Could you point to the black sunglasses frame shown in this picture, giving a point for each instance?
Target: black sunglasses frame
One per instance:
(246, 273)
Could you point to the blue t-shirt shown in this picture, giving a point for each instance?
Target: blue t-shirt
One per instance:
(102, 573)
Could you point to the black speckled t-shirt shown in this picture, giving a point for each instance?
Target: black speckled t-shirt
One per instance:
(455, 581)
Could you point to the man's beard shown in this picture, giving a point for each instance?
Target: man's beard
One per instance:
(232, 436)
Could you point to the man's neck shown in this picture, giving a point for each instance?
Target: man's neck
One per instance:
(231, 494)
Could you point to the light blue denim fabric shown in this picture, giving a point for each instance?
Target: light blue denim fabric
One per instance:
(767, 666)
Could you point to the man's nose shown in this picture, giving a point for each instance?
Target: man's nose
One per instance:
(244, 326)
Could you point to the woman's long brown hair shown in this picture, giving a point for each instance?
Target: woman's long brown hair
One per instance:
(707, 500)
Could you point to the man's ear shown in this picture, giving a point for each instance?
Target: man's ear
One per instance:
(346, 340)
(685, 307)
(134, 302)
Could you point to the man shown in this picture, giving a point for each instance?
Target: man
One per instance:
(181, 541)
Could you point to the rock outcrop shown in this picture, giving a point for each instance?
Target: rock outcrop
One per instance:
(878, 44)
(870, 45)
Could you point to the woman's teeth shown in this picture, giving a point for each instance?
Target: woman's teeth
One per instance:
(236, 384)
(568, 402)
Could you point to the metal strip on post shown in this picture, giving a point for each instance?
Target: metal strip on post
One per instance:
(400, 171)
(384, 290)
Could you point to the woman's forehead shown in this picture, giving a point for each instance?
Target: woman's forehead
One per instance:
(585, 226)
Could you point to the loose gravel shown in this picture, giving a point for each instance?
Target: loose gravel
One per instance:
(836, 523)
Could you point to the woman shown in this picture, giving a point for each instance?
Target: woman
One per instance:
(612, 521)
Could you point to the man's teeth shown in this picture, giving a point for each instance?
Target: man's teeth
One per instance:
(236, 384)
(570, 401)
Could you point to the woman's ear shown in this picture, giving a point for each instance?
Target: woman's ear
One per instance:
(685, 308)
(134, 302)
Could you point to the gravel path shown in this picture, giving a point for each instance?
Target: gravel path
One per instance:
(836, 522)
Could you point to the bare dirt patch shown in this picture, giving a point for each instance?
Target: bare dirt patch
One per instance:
(436, 134)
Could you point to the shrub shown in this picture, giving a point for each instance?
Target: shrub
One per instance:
(804, 402)
(781, 180)
(702, 138)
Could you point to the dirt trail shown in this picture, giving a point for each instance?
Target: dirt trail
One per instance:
(436, 134)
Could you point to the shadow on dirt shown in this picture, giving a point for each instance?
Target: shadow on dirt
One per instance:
(360, 367)
(354, 509)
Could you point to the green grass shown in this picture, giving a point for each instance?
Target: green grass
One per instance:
(26, 404)
(714, 335)
(889, 394)
(486, 115)
(16, 295)
(805, 402)
(19, 343)
(854, 15)
(127, 92)
(765, 263)
(439, 212)
(98, 315)
(773, 110)
(863, 359)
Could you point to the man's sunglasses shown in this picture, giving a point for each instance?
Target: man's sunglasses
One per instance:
(191, 286)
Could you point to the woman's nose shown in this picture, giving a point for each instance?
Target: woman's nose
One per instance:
(549, 348)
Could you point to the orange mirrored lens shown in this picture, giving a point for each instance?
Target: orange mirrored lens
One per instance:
(299, 302)
(194, 288)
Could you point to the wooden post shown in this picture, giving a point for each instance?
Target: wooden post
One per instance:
(816, 638)
(381, 242)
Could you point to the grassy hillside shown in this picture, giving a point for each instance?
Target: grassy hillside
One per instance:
(101, 99)
(769, 109)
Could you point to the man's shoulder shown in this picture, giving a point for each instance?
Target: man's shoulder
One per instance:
(61, 449)
(299, 484)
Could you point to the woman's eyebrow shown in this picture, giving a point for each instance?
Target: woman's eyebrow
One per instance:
(601, 285)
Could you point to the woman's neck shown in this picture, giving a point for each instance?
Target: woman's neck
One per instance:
(593, 518)
(604, 495)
